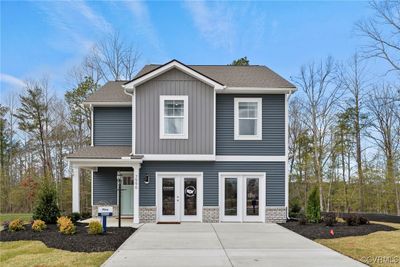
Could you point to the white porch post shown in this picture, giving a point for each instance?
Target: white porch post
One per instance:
(136, 181)
(75, 189)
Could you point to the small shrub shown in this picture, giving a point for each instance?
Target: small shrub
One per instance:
(46, 208)
(66, 226)
(95, 228)
(351, 220)
(75, 216)
(16, 225)
(38, 225)
(362, 220)
(330, 219)
(302, 220)
(313, 212)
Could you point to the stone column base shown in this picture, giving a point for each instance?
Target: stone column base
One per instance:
(147, 214)
(210, 214)
(275, 214)
(95, 210)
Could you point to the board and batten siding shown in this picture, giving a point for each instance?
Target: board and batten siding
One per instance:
(275, 178)
(273, 127)
(105, 185)
(112, 126)
(200, 108)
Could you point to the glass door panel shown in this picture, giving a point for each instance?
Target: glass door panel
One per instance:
(168, 196)
(252, 197)
(231, 197)
(190, 196)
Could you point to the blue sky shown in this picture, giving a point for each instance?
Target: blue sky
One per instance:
(49, 38)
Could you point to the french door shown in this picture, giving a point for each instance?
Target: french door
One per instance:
(179, 197)
(242, 197)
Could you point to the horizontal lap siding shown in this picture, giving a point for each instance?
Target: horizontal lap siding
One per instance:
(112, 126)
(275, 178)
(273, 127)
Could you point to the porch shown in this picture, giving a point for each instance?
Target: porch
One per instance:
(116, 157)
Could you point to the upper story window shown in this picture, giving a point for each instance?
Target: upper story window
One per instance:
(248, 118)
(173, 117)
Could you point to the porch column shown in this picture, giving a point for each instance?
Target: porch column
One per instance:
(75, 189)
(136, 181)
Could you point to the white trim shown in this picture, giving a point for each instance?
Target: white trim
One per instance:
(75, 189)
(185, 134)
(256, 90)
(136, 184)
(108, 104)
(286, 155)
(167, 67)
(179, 187)
(180, 157)
(134, 122)
(241, 198)
(215, 124)
(258, 135)
(91, 188)
(251, 158)
(91, 126)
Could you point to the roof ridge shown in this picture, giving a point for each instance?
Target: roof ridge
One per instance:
(214, 65)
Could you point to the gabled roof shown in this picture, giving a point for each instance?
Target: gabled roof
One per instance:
(245, 78)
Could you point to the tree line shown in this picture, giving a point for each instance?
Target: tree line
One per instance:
(344, 126)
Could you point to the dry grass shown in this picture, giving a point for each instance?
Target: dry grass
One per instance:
(370, 248)
(35, 253)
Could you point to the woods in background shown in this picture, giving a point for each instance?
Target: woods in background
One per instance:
(344, 128)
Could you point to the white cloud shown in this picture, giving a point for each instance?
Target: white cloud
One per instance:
(11, 80)
(215, 23)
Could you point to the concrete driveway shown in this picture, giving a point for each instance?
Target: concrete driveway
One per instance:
(225, 244)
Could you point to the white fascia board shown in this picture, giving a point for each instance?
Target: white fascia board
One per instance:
(108, 104)
(178, 157)
(256, 90)
(251, 158)
(165, 68)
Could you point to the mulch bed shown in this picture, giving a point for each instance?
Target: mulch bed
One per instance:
(320, 231)
(81, 241)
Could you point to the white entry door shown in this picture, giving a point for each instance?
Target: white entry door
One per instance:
(242, 197)
(179, 197)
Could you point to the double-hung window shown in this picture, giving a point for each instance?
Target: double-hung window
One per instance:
(248, 118)
(173, 117)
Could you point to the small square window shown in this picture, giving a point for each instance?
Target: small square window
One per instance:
(248, 118)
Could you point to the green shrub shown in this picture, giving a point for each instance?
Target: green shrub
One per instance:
(330, 219)
(16, 225)
(75, 216)
(313, 212)
(46, 208)
(95, 228)
(86, 215)
(362, 220)
(38, 225)
(66, 226)
(351, 220)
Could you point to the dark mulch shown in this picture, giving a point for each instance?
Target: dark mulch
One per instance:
(81, 241)
(320, 231)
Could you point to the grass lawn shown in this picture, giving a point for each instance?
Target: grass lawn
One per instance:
(369, 248)
(12, 216)
(35, 253)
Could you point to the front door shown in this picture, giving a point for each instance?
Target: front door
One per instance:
(242, 197)
(127, 194)
(179, 197)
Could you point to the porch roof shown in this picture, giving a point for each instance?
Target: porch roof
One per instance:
(104, 152)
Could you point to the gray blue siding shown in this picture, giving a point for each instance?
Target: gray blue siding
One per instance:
(112, 126)
(275, 178)
(105, 185)
(273, 127)
(200, 108)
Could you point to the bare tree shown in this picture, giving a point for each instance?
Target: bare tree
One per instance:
(384, 120)
(320, 86)
(383, 32)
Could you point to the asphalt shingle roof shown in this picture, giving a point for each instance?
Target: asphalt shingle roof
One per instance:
(103, 152)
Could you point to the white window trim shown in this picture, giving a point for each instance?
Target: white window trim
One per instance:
(258, 136)
(185, 117)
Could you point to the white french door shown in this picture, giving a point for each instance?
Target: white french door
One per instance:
(242, 197)
(179, 196)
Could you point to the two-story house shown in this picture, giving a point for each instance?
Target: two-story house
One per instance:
(205, 143)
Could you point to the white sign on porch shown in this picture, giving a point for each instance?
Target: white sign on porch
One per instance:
(106, 209)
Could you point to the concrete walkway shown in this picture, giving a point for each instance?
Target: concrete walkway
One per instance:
(225, 244)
